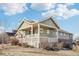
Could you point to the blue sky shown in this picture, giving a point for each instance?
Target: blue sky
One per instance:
(66, 15)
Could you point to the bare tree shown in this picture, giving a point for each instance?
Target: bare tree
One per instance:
(4, 38)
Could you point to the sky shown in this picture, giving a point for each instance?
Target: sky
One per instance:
(65, 14)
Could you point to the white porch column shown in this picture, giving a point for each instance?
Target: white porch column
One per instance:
(57, 34)
(31, 34)
(38, 35)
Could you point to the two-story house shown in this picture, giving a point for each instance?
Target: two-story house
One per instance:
(41, 34)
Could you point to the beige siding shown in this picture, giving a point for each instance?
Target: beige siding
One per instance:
(43, 42)
(49, 22)
(47, 39)
(20, 36)
(24, 25)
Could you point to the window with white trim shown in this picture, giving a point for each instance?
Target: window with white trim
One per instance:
(41, 30)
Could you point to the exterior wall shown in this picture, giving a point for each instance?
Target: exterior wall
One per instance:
(20, 36)
(49, 22)
(47, 41)
(24, 25)
(25, 37)
(66, 38)
(49, 32)
(32, 40)
(47, 38)
(64, 35)
(43, 42)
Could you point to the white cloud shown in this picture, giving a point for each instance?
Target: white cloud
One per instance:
(65, 12)
(13, 8)
(62, 10)
(49, 13)
(42, 6)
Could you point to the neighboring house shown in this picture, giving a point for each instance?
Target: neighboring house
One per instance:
(42, 33)
(10, 35)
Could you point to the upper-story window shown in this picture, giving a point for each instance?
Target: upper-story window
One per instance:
(60, 33)
(65, 34)
(70, 36)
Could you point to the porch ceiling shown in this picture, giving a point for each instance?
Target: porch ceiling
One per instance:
(35, 25)
(41, 25)
(46, 26)
(27, 28)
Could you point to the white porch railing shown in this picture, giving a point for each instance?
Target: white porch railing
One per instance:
(49, 39)
(32, 39)
(63, 37)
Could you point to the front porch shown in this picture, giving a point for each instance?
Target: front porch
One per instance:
(38, 34)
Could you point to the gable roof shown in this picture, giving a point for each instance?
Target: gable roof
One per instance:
(47, 18)
(51, 20)
(31, 21)
(59, 29)
(25, 20)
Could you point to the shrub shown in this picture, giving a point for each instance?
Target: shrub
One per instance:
(60, 45)
(25, 45)
(19, 44)
(14, 41)
(31, 46)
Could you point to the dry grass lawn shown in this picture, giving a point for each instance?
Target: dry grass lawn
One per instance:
(20, 51)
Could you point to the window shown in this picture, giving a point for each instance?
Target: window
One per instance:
(64, 34)
(61, 33)
(41, 30)
(70, 36)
